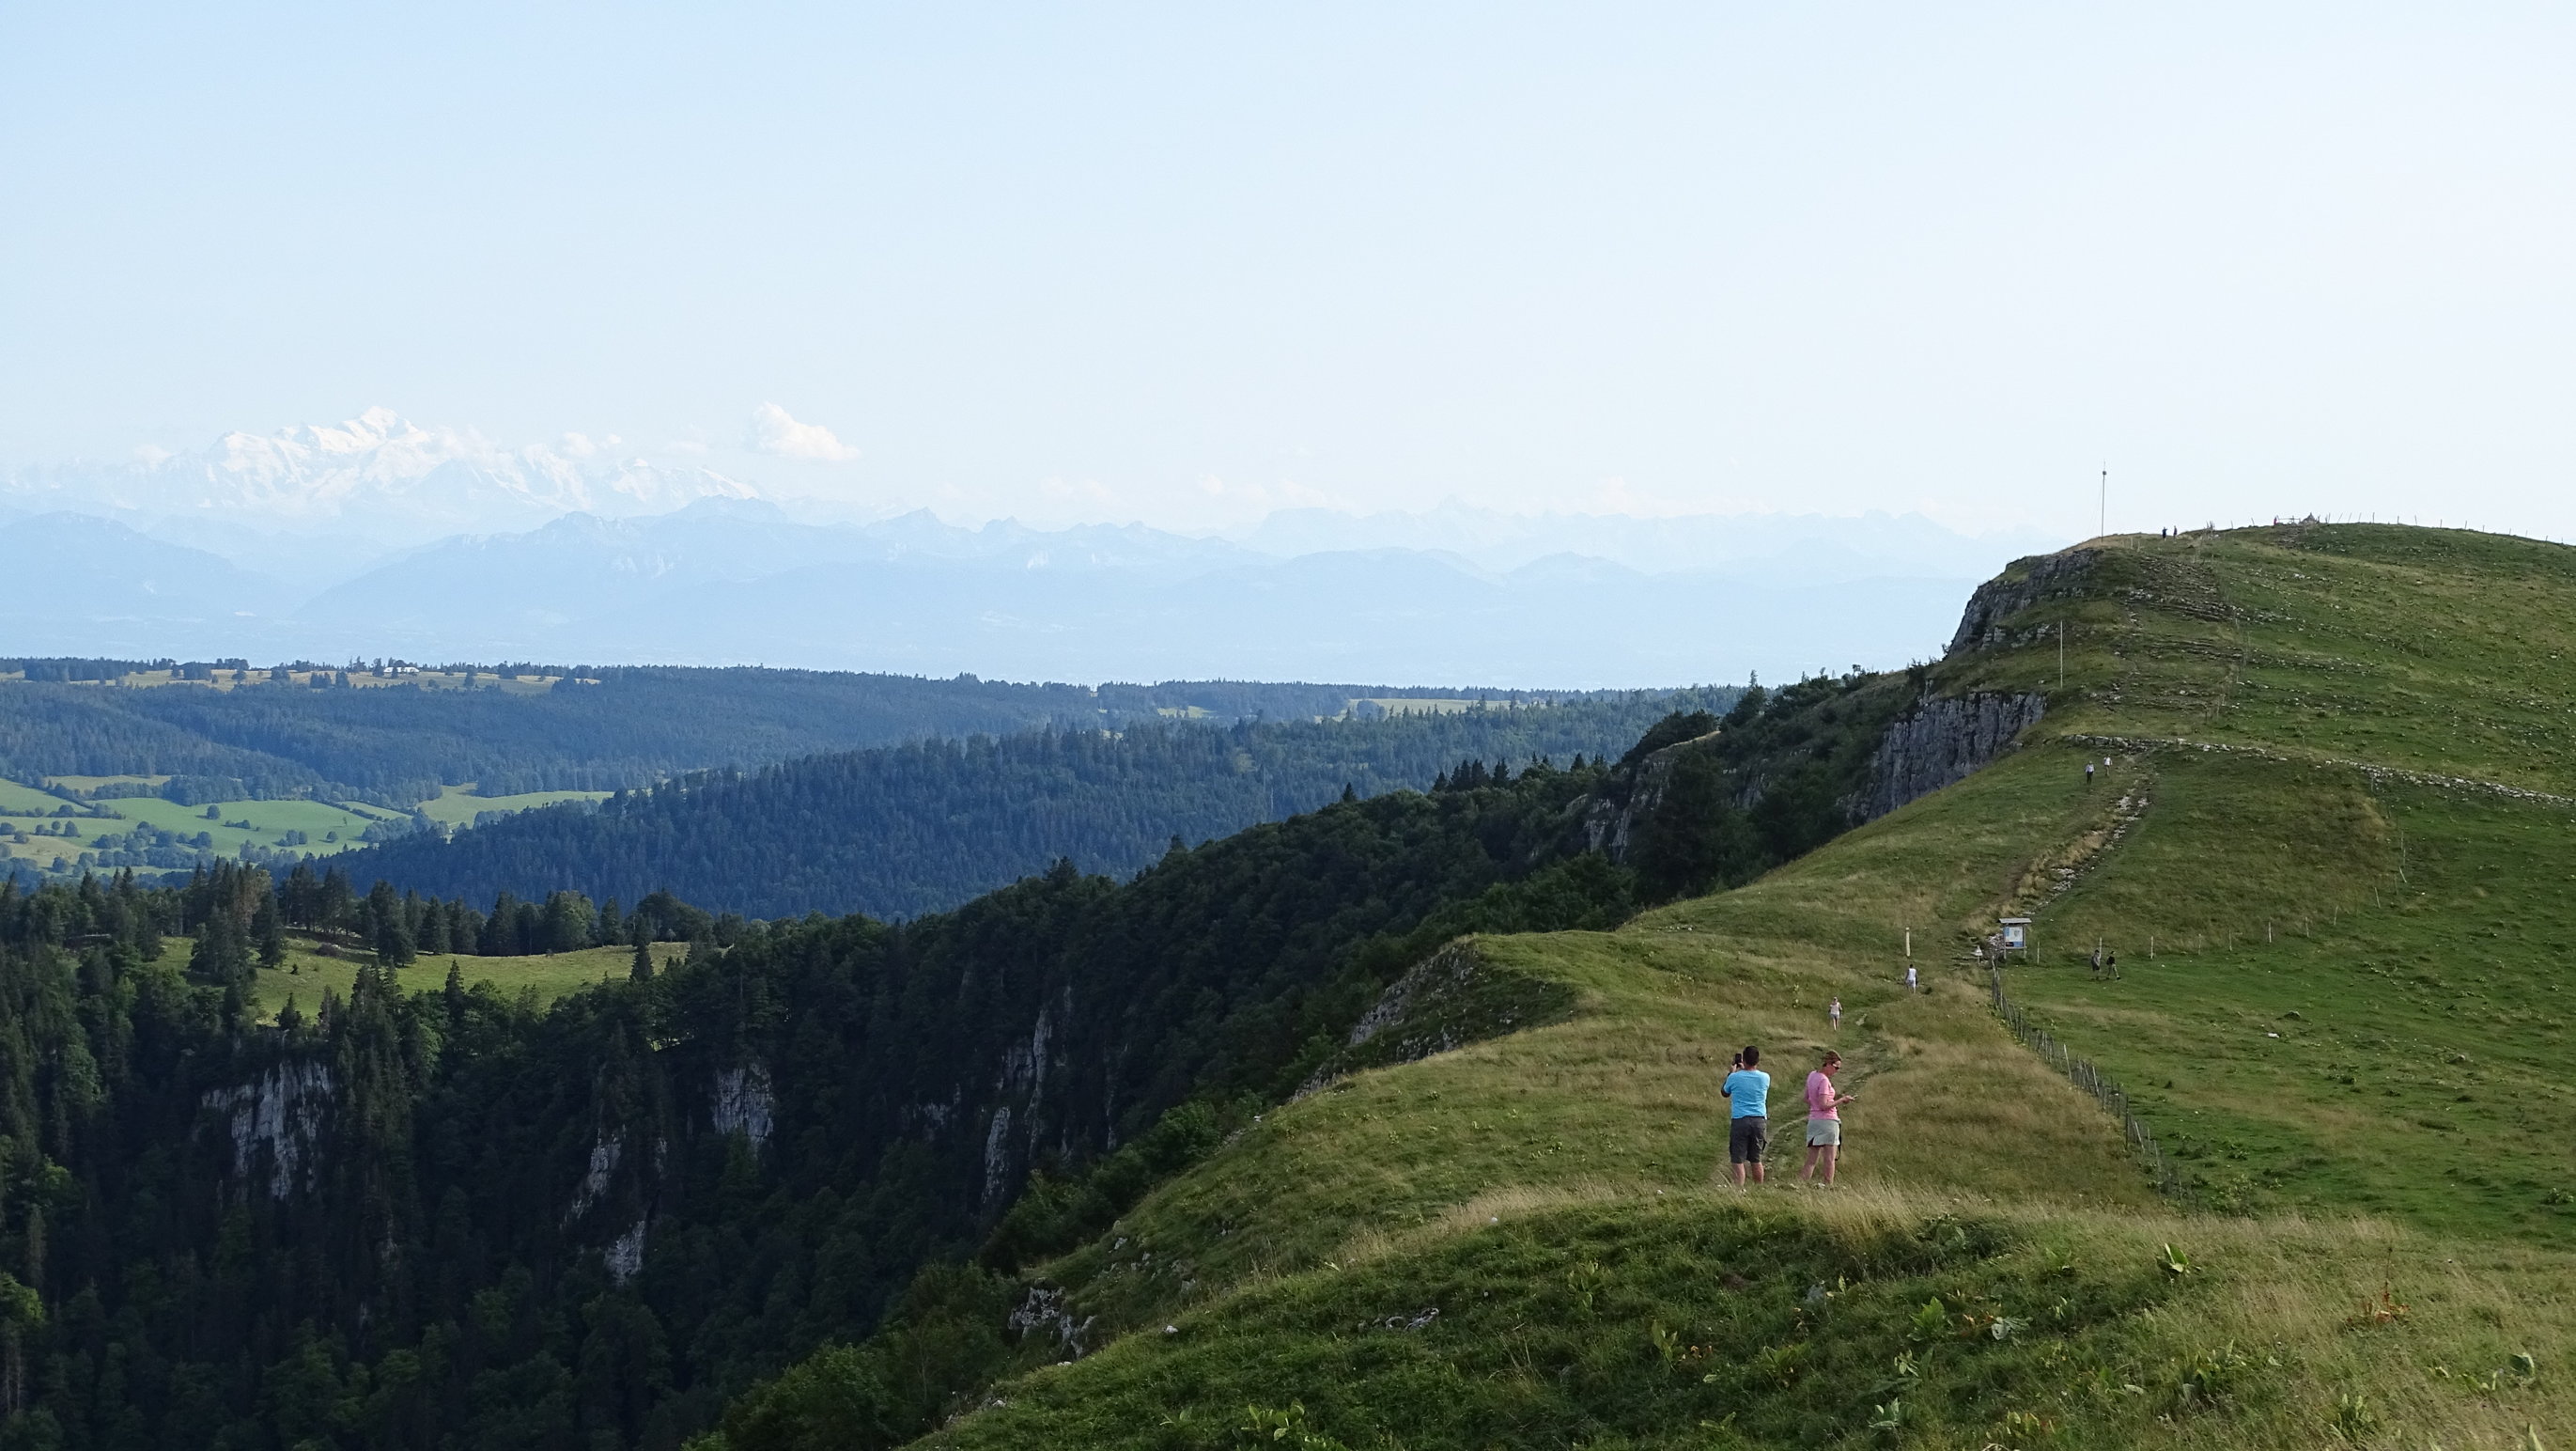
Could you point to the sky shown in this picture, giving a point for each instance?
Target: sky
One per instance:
(1186, 263)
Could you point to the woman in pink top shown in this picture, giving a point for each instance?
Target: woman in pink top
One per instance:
(1824, 1118)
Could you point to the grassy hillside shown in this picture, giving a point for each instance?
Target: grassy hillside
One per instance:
(2329, 849)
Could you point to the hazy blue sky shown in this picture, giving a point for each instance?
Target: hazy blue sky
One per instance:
(1183, 261)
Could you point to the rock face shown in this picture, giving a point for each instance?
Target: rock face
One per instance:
(2028, 582)
(744, 1103)
(277, 1123)
(1943, 740)
(1610, 826)
(1940, 742)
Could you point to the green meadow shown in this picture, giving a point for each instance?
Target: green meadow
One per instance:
(308, 972)
(31, 833)
(459, 805)
(2331, 854)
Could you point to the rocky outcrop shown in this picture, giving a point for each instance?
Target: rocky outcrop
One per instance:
(998, 1162)
(2026, 583)
(1940, 742)
(1448, 1000)
(626, 1256)
(744, 1104)
(1045, 1313)
(605, 1151)
(277, 1123)
(1610, 826)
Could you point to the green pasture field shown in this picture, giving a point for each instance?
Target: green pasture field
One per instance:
(23, 807)
(2312, 1027)
(92, 783)
(1425, 705)
(459, 805)
(22, 800)
(268, 821)
(307, 972)
(2341, 1012)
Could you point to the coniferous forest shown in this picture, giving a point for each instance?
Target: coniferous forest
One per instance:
(600, 729)
(899, 831)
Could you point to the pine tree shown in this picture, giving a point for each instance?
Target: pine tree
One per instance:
(642, 971)
(220, 956)
(385, 925)
(267, 927)
(335, 903)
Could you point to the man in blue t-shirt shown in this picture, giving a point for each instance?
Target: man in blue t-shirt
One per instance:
(1748, 1130)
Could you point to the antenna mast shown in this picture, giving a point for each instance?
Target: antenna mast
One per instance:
(2102, 525)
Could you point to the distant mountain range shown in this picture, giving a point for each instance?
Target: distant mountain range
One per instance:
(346, 542)
(377, 476)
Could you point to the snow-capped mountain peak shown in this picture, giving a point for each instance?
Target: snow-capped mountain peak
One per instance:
(383, 474)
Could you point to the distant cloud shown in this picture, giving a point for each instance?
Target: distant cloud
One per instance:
(774, 430)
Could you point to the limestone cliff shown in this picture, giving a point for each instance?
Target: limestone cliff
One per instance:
(1941, 741)
(2025, 583)
(1611, 821)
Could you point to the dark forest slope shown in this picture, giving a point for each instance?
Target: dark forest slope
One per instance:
(399, 744)
(922, 827)
(429, 1219)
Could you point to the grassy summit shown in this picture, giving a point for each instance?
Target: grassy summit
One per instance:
(2330, 851)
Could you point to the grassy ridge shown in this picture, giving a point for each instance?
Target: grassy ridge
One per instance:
(2374, 1225)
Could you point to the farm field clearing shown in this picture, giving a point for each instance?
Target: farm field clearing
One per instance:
(308, 971)
(460, 805)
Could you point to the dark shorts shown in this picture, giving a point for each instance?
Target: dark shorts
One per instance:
(1747, 1140)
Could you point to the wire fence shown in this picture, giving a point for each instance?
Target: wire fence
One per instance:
(2105, 1090)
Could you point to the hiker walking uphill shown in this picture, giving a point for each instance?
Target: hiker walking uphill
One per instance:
(1748, 1128)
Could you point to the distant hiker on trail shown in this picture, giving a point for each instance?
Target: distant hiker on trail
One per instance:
(1834, 1012)
(2097, 959)
(2088, 775)
(1824, 1118)
(1911, 983)
(2110, 964)
(1748, 1128)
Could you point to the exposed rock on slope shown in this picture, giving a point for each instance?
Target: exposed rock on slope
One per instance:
(1610, 823)
(1940, 742)
(2028, 582)
(1450, 999)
